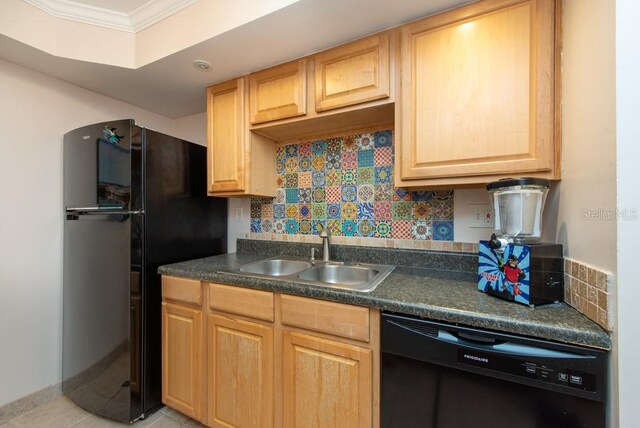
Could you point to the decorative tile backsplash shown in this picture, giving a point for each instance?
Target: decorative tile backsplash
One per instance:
(346, 184)
(590, 291)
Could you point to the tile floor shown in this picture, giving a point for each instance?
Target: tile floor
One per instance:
(63, 413)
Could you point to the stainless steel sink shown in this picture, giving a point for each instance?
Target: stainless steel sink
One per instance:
(349, 276)
(276, 267)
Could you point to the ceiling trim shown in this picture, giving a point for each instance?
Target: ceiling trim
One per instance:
(143, 17)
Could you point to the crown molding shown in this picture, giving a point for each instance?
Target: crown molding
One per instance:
(143, 17)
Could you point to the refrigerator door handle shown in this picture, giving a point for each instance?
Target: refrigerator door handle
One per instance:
(74, 212)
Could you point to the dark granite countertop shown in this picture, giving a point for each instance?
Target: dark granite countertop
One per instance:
(438, 294)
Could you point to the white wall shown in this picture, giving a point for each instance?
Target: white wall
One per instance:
(35, 112)
(628, 172)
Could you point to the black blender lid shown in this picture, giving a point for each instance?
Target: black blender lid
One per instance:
(522, 181)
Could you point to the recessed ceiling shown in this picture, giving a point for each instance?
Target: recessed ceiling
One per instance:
(173, 87)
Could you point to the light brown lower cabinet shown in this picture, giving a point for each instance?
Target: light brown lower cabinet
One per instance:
(325, 383)
(240, 379)
(268, 359)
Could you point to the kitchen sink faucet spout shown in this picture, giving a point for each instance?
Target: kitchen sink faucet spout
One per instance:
(325, 234)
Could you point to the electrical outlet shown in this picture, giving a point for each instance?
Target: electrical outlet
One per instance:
(480, 215)
(238, 214)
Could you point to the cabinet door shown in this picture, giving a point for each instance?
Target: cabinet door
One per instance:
(353, 73)
(278, 92)
(240, 384)
(478, 92)
(326, 383)
(226, 137)
(182, 359)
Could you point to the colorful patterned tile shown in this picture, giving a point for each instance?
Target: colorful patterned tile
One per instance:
(267, 225)
(256, 226)
(366, 210)
(365, 158)
(365, 193)
(399, 194)
(291, 165)
(279, 226)
(382, 139)
(382, 229)
(421, 211)
(318, 162)
(304, 149)
(423, 195)
(304, 179)
(267, 211)
(349, 210)
(383, 174)
(291, 210)
(349, 160)
(382, 210)
(304, 163)
(349, 143)
(280, 166)
(402, 229)
(334, 194)
(334, 145)
(256, 209)
(443, 195)
(333, 160)
(292, 226)
(334, 211)
(421, 230)
(349, 176)
(442, 210)
(319, 147)
(279, 211)
(318, 194)
(304, 195)
(291, 196)
(349, 193)
(280, 180)
(316, 226)
(383, 156)
(291, 151)
(319, 211)
(382, 192)
(443, 231)
(365, 228)
(335, 227)
(291, 181)
(318, 178)
(365, 175)
(280, 153)
(304, 211)
(364, 142)
(349, 228)
(305, 227)
(402, 210)
(334, 177)
(280, 196)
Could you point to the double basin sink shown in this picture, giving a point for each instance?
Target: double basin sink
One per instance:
(349, 276)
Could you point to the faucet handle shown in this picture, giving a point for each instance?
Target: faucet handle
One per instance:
(313, 254)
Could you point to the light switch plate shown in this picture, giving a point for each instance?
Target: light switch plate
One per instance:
(238, 214)
(480, 215)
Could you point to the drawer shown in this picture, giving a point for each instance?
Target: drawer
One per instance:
(182, 290)
(338, 319)
(242, 301)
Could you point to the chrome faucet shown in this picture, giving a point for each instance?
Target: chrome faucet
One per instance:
(325, 234)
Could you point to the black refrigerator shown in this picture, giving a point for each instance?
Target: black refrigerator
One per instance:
(134, 199)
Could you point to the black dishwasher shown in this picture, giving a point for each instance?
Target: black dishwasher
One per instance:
(440, 375)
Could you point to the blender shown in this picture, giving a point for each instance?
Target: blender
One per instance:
(514, 264)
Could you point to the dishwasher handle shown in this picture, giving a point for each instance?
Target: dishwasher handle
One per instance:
(503, 347)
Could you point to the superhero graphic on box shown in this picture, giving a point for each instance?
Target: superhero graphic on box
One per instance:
(505, 274)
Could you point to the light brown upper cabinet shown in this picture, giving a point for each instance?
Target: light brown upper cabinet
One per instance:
(239, 162)
(353, 73)
(279, 92)
(479, 95)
